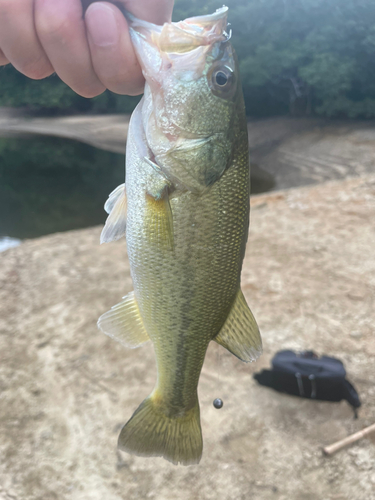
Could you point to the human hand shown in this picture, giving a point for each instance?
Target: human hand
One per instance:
(87, 43)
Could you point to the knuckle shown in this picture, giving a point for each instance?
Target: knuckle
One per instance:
(58, 24)
(38, 73)
(126, 89)
(37, 70)
(88, 91)
(136, 91)
(125, 84)
(53, 28)
(3, 59)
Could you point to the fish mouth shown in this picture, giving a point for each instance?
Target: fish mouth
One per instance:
(183, 36)
(183, 45)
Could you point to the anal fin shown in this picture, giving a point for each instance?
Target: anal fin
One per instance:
(240, 333)
(123, 323)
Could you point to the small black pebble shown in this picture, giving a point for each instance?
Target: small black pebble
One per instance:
(218, 403)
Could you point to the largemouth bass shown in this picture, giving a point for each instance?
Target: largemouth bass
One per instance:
(185, 211)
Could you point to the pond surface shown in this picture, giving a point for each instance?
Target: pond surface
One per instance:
(49, 185)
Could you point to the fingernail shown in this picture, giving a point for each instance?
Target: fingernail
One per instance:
(102, 25)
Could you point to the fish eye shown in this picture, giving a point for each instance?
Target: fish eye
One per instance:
(222, 80)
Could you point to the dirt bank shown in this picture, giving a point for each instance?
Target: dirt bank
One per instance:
(66, 389)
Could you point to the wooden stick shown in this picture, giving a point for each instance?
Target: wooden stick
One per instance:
(332, 448)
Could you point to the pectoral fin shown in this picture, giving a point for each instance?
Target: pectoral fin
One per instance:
(159, 223)
(124, 323)
(158, 217)
(240, 333)
(115, 225)
(113, 197)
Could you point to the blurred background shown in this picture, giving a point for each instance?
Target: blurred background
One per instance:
(307, 70)
(308, 75)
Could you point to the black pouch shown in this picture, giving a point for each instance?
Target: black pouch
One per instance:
(308, 376)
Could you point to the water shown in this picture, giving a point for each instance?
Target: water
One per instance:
(49, 185)
(7, 242)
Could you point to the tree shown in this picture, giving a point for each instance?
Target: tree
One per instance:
(319, 54)
(51, 94)
(297, 56)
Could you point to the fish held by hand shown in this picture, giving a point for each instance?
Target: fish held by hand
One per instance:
(186, 208)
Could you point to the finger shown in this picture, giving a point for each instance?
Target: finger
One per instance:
(18, 40)
(3, 59)
(157, 12)
(62, 33)
(112, 52)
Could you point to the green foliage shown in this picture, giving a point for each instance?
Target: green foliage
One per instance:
(318, 54)
(51, 93)
(296, 56)
(17, 90)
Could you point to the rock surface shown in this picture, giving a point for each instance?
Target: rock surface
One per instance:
(66, 389)
(300, 151)
(106, 132)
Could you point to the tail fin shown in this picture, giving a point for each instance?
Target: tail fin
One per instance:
(150, 432)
